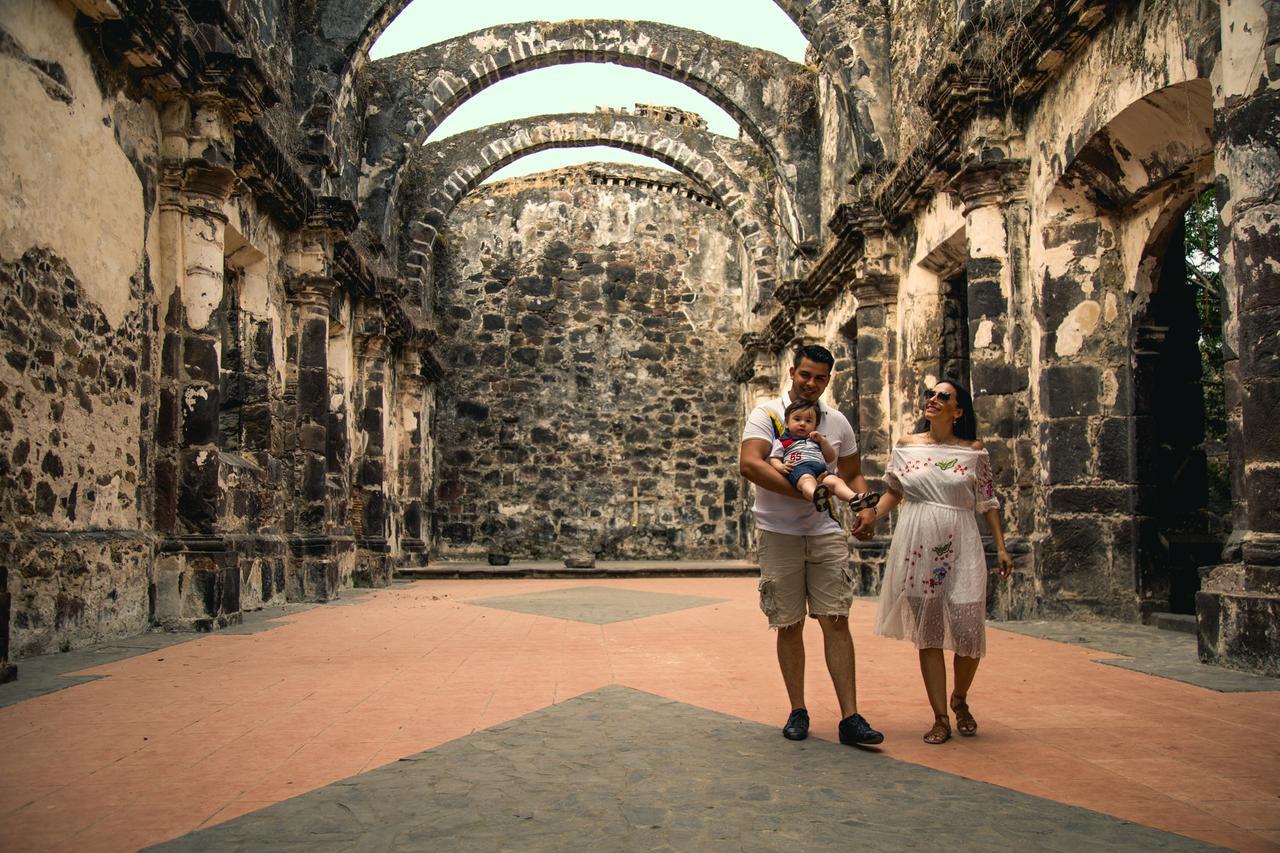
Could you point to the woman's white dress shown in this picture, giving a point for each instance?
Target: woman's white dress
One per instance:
(934, 591)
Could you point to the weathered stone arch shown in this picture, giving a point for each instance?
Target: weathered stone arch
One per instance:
(772, 98)
(337, 35)
(444, 172)
(1163, 136)
(340, 34)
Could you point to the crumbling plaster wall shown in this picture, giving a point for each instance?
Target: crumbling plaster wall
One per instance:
(1090, 281)
(78, 333)
(589, 329)
(1071, 272)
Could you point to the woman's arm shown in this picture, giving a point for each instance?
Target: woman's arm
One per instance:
(888, 503)
(997, 532)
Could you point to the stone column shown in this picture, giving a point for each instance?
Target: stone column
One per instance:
(411, 409)
(997, 228)
(874, 285)
(313, 570)
(369, 505)
(196, 580)
(1238, 607)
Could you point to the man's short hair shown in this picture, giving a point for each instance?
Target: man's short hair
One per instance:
(815, 353)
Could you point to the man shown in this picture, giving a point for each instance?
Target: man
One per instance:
(804, 555)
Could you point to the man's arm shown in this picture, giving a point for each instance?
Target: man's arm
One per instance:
(753, 463)
(849, 469)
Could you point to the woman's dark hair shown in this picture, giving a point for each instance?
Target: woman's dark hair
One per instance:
(801, 405)
(967, 424)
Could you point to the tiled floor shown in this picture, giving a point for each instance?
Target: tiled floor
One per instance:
(198, 733)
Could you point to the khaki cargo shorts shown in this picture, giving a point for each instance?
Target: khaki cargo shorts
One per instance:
(796, 571)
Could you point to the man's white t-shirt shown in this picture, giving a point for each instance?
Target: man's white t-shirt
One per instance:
(777, 513)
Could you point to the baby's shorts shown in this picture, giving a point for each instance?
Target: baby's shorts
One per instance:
(814, 469)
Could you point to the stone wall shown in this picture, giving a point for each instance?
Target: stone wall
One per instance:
(77, 335)
(589, 327)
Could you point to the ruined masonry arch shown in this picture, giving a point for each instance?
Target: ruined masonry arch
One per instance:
(772, 98)
(446, 171)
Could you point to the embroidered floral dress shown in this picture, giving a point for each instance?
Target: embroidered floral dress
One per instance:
(935, 579)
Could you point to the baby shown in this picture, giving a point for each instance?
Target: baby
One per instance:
(805, 456)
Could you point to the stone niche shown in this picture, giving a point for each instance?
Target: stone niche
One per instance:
(589, 323)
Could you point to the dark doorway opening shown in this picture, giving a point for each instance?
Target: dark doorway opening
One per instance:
(1183, 506)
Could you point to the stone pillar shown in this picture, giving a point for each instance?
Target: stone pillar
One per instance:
(196, 581)
(369, 498)
(875, 353)
(875, 287)
(313, 570)
(411, 407)
(997, 229)
(1238, 607)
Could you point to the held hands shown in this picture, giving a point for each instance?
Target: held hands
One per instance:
(866, 524)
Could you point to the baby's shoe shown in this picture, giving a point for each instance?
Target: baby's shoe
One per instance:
(864, 500)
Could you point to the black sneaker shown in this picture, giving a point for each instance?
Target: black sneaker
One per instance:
(797, 727)
(855, 731)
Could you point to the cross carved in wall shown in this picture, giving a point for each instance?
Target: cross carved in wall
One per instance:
(635, 500)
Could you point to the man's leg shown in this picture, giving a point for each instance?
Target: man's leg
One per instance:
(791, 662)
(782, 599)
(830, 585)
(837, 642)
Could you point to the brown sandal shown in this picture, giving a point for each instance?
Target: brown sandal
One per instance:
(966, 725)
(941, 731)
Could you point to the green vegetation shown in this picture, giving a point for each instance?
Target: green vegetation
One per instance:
(1205, 278)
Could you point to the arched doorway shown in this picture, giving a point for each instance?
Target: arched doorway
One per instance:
(1179, 436)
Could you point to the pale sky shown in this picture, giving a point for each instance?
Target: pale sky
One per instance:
(584, 86)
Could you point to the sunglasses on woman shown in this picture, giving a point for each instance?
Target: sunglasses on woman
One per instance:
(944, 396)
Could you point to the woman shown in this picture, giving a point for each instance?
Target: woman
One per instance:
(935, 580)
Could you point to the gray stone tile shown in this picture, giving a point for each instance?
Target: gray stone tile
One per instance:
(1167, 654)
(618, 769)
(599, 605)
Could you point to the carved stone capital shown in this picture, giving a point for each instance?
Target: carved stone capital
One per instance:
(312, 290)
(335, 215)
(983, 183)
(873, 289)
